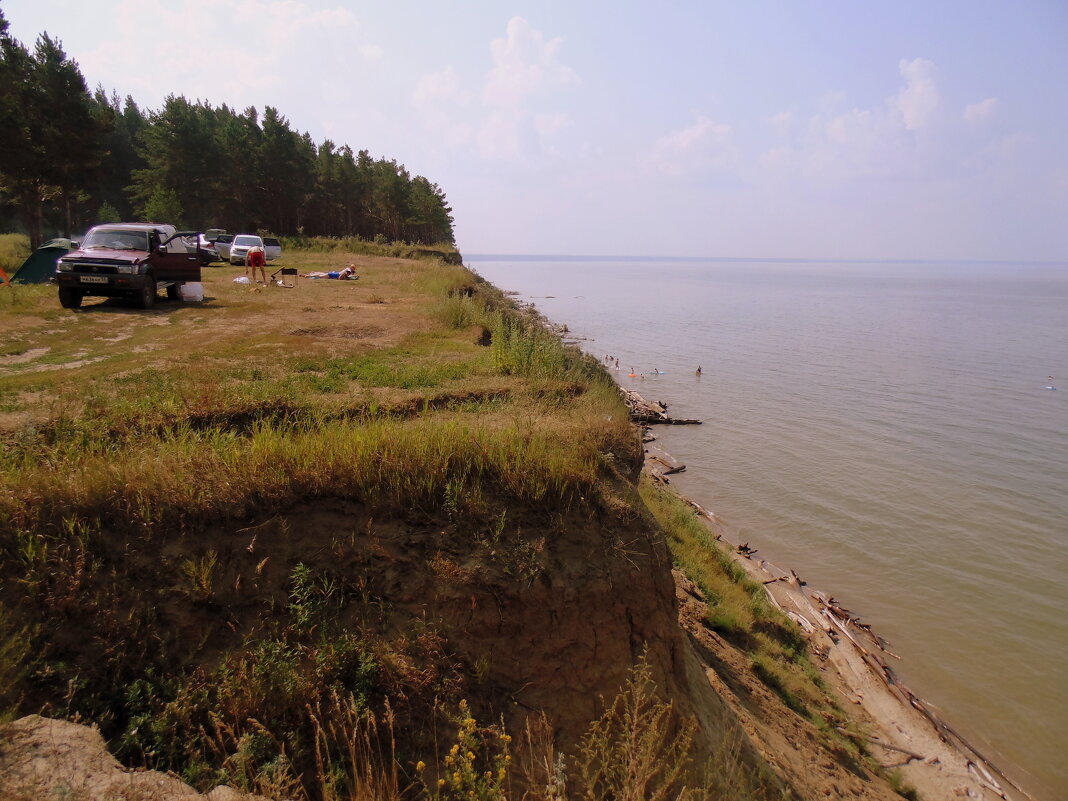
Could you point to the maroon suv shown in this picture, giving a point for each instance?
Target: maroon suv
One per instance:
(132, 260)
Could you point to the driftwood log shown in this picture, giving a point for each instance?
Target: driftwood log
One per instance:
(669, 468)
(642, 411)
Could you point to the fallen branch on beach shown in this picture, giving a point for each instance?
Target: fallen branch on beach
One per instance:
(876, 741)
(671, 468)
(644, 412)
(799, 619)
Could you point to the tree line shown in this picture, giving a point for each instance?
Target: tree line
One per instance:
(70, 158)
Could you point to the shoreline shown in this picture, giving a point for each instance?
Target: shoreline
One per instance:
(906, 733)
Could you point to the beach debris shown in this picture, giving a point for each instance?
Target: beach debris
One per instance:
(897, 749)
(642, 411)
(669, 468)
(745, 550)
(799, 619)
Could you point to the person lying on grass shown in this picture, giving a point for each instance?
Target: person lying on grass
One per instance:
(348, 274)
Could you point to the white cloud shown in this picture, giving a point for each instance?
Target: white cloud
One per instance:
(440, 88)
(371, 53)
(919, 99)
(442, 104)
(526, 73)
(980, 112)
(782, 122)
(524, 64)
(776, 156)
(858, 142)
(515, 118)
(701, 146)
(236, 53)
(498, 137)
(551, 124)
(894, 137)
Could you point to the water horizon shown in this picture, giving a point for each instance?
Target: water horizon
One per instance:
(561, 257)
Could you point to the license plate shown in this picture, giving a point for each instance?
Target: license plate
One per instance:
(93, 279)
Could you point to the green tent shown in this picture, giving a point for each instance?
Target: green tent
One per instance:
(41, 264)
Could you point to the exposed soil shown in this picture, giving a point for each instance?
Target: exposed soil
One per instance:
(49, 759)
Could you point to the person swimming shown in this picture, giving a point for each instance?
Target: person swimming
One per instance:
(632, 374)
(698, 370)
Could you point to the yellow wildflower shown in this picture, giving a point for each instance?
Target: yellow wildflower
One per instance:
(420, 766)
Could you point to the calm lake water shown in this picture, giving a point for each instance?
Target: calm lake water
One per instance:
(883, 429)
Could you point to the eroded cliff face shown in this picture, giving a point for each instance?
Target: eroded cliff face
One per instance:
(523, 611)
(548, 615)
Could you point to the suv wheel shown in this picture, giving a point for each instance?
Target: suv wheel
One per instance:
(70, 298)
(148, 293)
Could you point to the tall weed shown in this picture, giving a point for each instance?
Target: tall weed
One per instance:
(15, 645)
(524, 348)
(636, 751)
(14, 248)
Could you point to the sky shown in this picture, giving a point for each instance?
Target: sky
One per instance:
(794, 129)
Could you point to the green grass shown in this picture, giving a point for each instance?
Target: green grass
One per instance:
(738, 610)
(359, 246)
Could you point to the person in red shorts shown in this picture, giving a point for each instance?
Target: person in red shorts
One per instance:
(256, 257)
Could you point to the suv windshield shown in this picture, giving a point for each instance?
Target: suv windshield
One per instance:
(116, 239)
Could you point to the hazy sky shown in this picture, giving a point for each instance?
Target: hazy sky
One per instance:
(840, 129)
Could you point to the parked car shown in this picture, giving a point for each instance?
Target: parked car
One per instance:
(222, 246)
(204, 247)
(127, 260)
(273, 248)
(240, 246)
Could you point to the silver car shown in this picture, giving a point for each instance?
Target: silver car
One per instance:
(240, 246)
(273, 248)
(222, 245)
